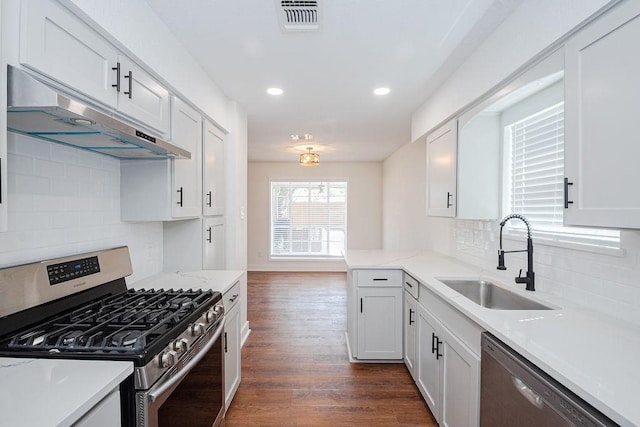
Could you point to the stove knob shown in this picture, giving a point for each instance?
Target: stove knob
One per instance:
(168, 359)
(219, 309)
(211, 316)
(180, 346)
(197, 329)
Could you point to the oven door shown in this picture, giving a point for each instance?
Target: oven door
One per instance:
(191, 394)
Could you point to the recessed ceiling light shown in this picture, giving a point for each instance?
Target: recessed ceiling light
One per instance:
(382, 91)
(306, 137)
(275, 91)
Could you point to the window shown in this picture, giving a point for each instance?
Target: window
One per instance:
(308, 219)
(534, 187)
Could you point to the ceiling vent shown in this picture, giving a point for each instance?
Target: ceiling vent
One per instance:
(298, 15)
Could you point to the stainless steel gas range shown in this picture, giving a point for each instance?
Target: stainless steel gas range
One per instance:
(78, 307)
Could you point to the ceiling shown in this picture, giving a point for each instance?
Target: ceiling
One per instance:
(328, 76)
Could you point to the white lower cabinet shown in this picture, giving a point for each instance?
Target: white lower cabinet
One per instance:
(374, 314)
(410, 331)
(448, 371)
(106, 413)
(379, 325)
(232, 364)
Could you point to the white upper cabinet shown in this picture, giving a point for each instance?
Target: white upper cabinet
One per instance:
(57, 44)
(142, 97)
(602, 84)
(164, 190)
(213, 170)
(187, 134)
(441, 170)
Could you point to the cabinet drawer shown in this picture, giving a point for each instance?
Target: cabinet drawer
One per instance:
(231, 297)
(411, 285)
(382, 278)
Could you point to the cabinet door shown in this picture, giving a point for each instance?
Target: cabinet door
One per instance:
(213, 244)
(59, 45)
(380, 323)
(441, 171)
(231, 353)
(142, 98)
(187, 133)
(601, 113)
(410, 329)
(460, 383)
(428, 361)
(213, 170)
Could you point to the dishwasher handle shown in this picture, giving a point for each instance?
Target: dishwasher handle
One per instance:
(533, 397)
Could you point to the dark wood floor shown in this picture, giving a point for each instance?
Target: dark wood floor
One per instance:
(295, 369)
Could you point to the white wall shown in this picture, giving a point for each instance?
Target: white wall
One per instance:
(604, 283)
(529, 30)
(64, 201)
(364, 205)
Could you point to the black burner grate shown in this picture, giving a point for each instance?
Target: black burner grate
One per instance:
(126, 323)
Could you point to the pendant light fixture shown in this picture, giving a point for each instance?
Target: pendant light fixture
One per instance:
(309, 158)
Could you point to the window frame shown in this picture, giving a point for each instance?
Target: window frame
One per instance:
(306, 256)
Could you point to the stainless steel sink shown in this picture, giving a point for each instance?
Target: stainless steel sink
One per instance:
(489, 295)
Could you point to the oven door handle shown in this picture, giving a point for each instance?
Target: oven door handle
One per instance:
(186, 368)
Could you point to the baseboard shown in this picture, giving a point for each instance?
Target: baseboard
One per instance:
(354, 360)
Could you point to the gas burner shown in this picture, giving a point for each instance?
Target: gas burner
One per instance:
(181, 302)
(125, 338)
(72, 338)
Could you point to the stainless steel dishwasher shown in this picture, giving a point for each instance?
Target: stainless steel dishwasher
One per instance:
(514, 392)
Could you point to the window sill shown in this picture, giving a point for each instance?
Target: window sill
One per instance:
(577, 246)
(301, 258)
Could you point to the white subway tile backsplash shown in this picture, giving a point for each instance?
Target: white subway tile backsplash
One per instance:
(607, 284)
(28, 184)
(64, 201)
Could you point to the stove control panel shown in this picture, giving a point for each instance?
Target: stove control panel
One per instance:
(69, 270)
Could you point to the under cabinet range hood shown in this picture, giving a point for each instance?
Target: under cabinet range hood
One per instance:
(35, 109)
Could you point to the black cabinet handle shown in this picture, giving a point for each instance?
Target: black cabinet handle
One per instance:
(408, 284)
(449, 200)
(180, 199)
(130, 77)
(233, 297)
(209, 196)
(380, 280)
(411, 321)
(567, 202)
(433, 342)
(225, 342)
(117, 70)
(438, 354)
(209, 231)
(360, 305)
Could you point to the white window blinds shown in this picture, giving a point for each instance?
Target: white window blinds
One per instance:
(536, 158)
(537, 167)
(308, 219)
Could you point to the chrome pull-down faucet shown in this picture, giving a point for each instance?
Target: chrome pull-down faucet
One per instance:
(529, 279)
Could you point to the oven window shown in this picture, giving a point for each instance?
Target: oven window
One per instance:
(200, 396)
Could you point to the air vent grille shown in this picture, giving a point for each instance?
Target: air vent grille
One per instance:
(299, 15)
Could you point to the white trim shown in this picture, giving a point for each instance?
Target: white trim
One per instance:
(566, 244)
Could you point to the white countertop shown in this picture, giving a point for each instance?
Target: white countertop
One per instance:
(594, 356)
(53, 392)
(215, 280)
